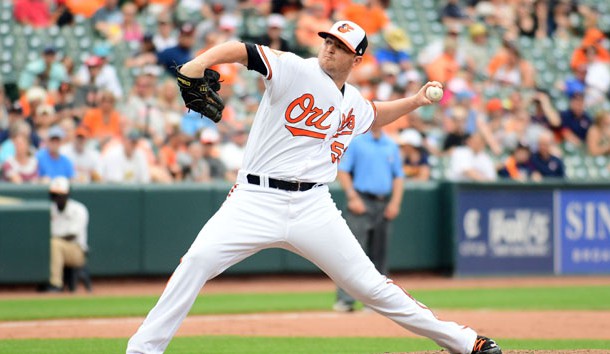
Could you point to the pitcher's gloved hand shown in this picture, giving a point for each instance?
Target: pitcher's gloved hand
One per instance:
(201, 94)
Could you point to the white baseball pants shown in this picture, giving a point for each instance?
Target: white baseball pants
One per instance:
(307, 223)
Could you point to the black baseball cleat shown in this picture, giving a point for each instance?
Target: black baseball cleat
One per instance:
(484, 345)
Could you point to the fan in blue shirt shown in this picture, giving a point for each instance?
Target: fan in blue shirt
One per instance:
(51, 163)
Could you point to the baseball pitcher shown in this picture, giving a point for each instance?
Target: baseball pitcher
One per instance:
(306, 120)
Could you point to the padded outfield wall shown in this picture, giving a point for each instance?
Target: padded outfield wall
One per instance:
(470, 229)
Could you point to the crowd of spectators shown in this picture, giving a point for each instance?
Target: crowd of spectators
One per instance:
(80, 118)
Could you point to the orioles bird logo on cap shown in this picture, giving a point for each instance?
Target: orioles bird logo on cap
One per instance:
(344, 28)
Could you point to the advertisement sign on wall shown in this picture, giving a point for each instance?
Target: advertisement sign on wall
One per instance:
(504, 232)
(584, 232)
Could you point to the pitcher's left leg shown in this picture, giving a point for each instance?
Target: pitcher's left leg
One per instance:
(326, 240)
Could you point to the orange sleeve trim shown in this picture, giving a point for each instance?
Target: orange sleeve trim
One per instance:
(269, 71)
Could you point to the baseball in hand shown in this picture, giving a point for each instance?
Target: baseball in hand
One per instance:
(434, 93)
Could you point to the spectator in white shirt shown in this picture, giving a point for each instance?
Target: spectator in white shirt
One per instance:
(97, 72)
(471, 162)
(165, 36)
(85, 158)
(124, 163)
(232, 151)
(69, 223)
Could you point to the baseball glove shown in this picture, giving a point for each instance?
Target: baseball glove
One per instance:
(201, 94)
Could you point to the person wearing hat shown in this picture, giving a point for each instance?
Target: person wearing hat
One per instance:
(575, 120)
(50, 161)
(69, 226)
(209, 139)
(272, 38)
(305, 123)
(478, 49)
(98, 74)
(396, 48)
(181, 53)
(46, 72)
(415, 158)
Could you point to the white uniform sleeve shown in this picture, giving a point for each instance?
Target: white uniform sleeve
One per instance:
(364, 111)
(283, 70)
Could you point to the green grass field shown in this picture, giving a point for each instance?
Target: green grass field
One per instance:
(538, 298)
(533, 298)
(272, 345)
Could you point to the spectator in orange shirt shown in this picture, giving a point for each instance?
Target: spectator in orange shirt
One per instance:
(84, 8)
(509, 68)
(592, 41)
(445, 66)
(370, 15)
(309, 22)
(104, 121)
(168, 156)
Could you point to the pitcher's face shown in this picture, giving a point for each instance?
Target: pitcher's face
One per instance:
(336, 58)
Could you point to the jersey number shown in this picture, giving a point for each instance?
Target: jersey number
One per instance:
(336, 151)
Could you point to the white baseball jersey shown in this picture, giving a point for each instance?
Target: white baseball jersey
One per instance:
(304, 122)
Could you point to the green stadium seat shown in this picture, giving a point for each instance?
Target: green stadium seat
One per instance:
(79, 31)
(5, 29)
(85, 44)
(60, 43)
(6, 16)
(35, 42)
(406, 4)
(6, 57)
(430, 5)
(53, 32)
(601, 161)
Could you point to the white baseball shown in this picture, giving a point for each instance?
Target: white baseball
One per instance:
(434, 93)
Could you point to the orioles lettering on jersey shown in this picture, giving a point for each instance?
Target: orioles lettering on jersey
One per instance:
(304, 107)
(348, 123)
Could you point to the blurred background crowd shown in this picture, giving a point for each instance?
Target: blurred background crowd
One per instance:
(88, 89)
